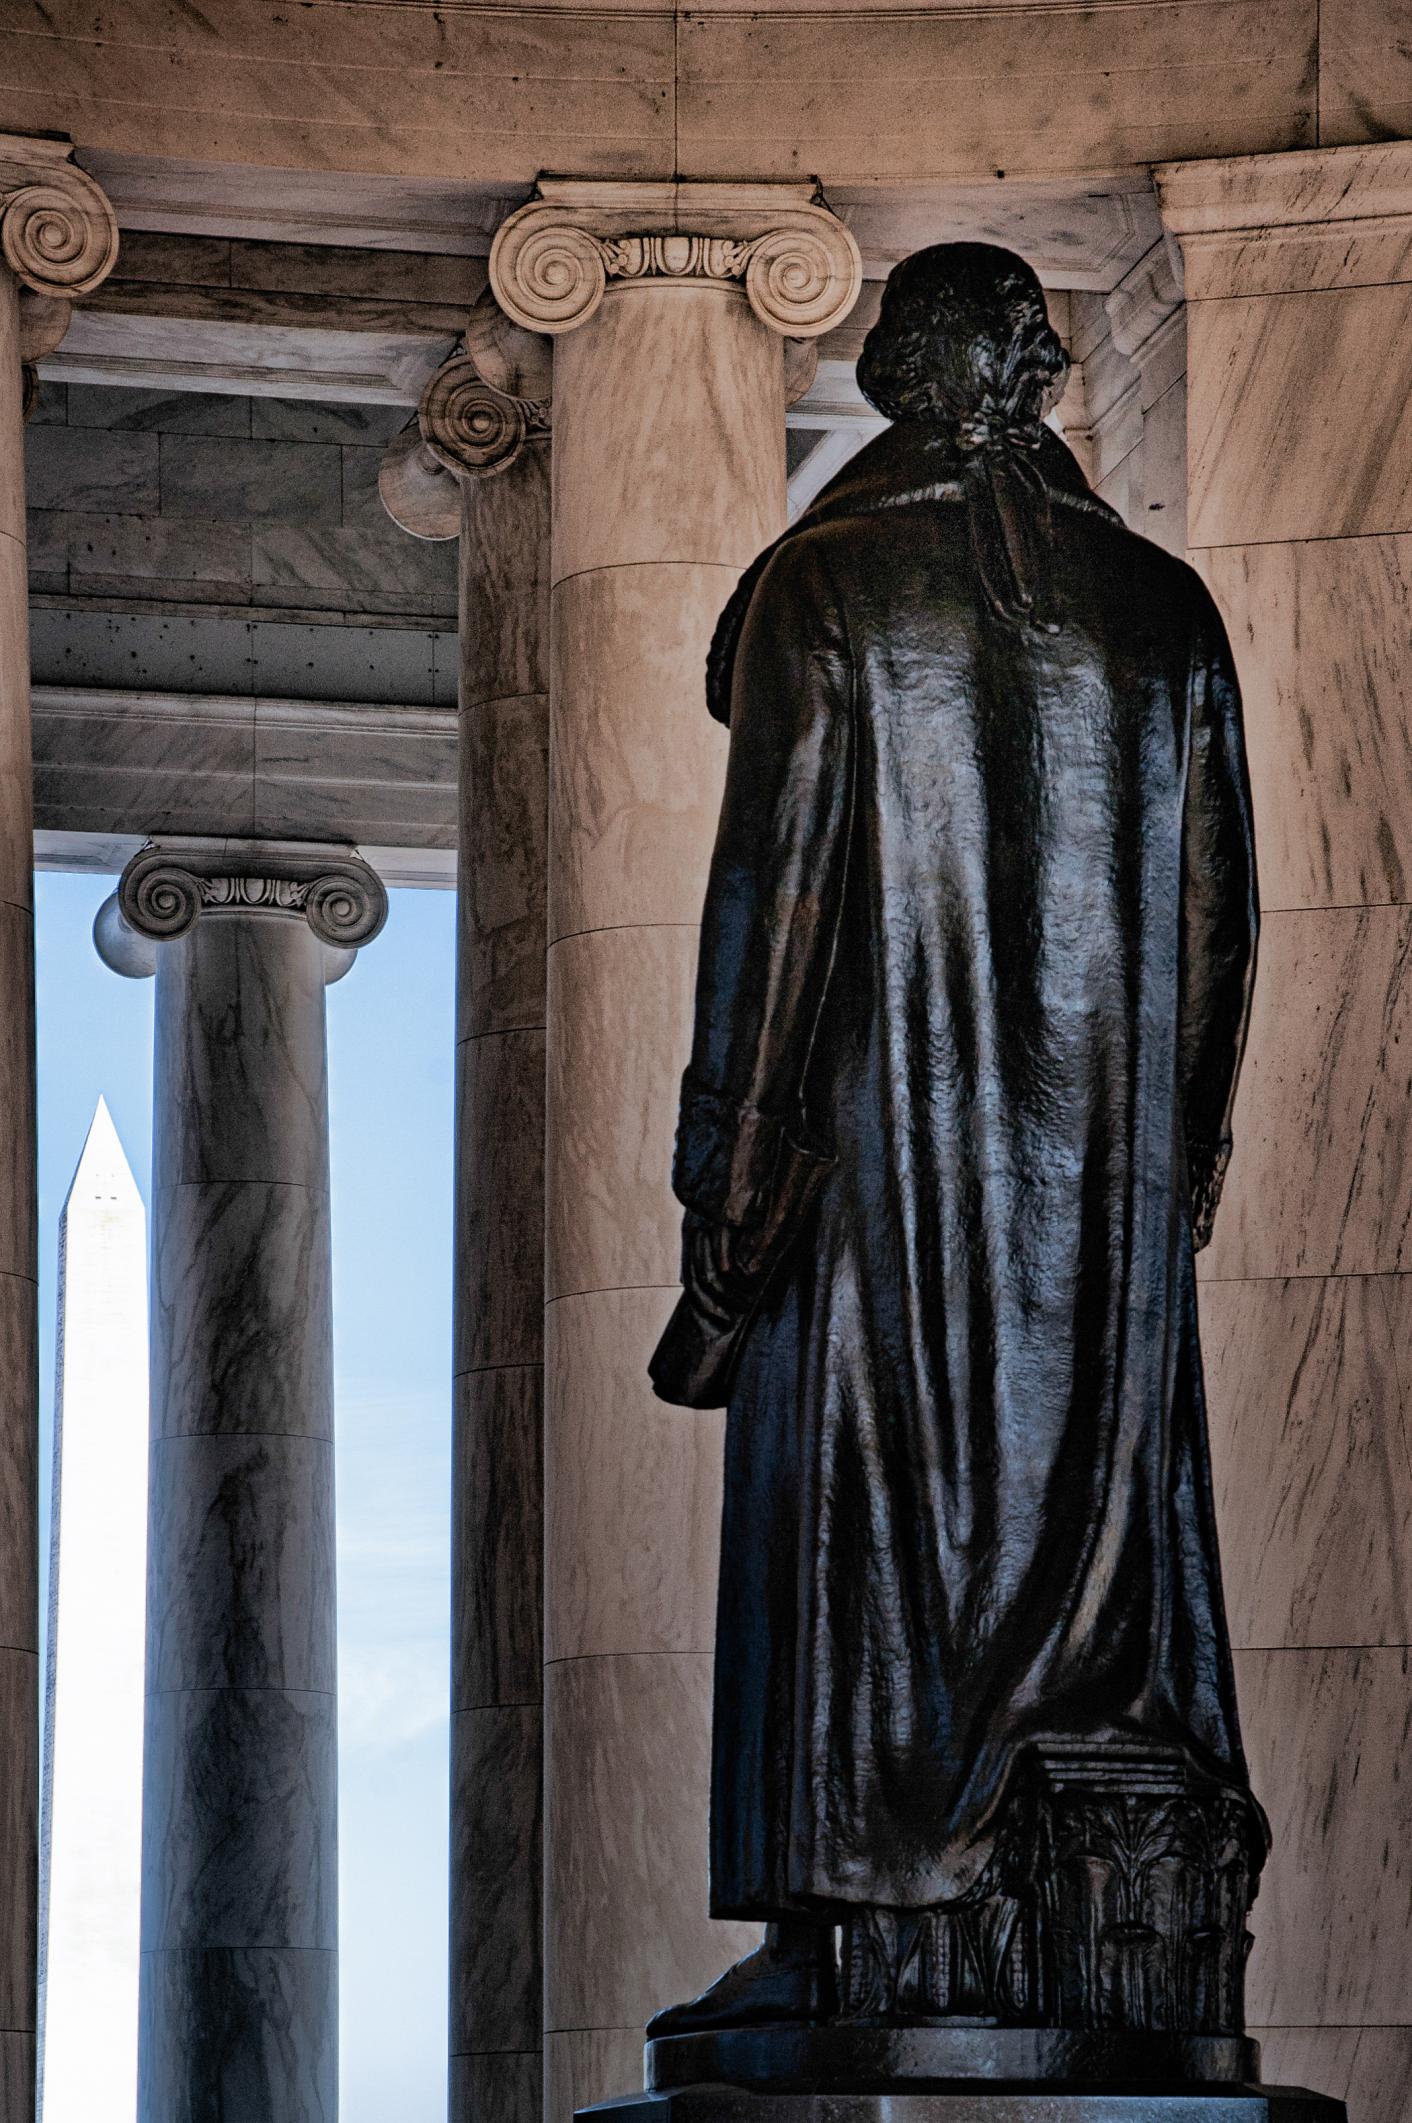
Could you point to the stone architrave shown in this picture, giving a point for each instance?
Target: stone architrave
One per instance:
(476, 466)
(238, 2013)
(58, 239)
(91, 1821)
(670, 306)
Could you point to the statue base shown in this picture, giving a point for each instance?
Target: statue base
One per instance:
(975, 2104)
(847, 2058)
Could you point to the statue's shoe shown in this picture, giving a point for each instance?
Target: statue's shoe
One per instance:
(766, 1987)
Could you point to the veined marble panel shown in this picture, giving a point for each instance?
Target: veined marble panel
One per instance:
(951, 91)
(500, 1099)
(19, 1398)
(1327, 1735)
(497, 1538)
(352, 558)
(496, 1977)
(504, 769)
(136, 547)
(1321, 632)
(236, 1272)
(636, 762)
(1344, 465)
(241, 1060)
(589, 2064)
(19, 1842)
(1310, 1445)
(668, 430)
(250, 482)
(1321, 1180)
(241, 1851)
(266, 2014)
(93, 471)
(240, 1578)
(632, 1487)
(133, 410)
(627, 1768)
(1368, 2067)
(506, 2084)
(620, 1004)
(1365, 71)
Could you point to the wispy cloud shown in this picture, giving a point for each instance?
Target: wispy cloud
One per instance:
(393, 1565)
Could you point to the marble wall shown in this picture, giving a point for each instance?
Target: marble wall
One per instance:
(1298, 273)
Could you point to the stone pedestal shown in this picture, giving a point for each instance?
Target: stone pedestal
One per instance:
(238, 2013)
(668, 304)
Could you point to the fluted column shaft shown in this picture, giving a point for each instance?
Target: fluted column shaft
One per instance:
(1299, 300)
(59, 240)
(668, 480)
(238, 2011)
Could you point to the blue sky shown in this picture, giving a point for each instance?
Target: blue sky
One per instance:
(390, 1077)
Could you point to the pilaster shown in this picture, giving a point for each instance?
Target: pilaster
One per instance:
(1298, 272)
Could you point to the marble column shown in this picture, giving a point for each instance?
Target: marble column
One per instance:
(58, 240)
(482, 434)
(238, 2008)
(1298, 276)
(669, 305)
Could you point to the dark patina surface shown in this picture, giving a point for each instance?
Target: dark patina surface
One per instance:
(976, 962)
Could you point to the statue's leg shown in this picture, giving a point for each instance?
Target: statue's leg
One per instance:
(791, 1976)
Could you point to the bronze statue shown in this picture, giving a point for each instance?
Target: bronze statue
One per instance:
(976, 964)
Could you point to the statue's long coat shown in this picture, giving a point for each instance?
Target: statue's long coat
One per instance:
(981, 924)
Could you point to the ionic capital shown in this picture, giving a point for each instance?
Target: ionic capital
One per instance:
(170, 885)
(552, 262)
(58, 233)
(475, 416)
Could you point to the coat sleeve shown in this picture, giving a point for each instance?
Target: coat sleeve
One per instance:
(773, 900)
(1220, 917)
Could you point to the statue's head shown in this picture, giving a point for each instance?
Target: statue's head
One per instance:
(964, 340)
